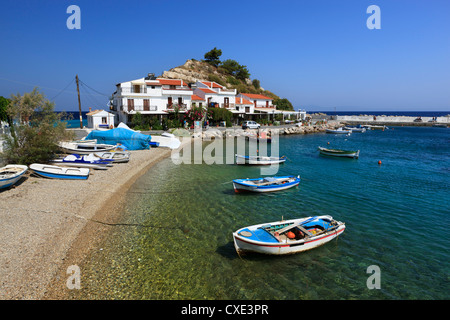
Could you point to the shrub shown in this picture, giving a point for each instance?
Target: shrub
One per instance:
(36, 137)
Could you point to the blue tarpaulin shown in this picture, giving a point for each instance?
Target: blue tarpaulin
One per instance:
(129, 138)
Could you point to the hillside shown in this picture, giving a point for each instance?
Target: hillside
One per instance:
(194, 70)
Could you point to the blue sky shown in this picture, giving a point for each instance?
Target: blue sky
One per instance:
(318, 54)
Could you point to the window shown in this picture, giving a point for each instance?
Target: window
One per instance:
(104, 120)
(130, 104)
(137, 88)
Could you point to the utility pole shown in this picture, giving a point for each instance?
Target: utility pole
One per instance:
(79, 103)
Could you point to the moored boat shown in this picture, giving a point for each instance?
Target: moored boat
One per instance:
(11, 174)
(287, 237)
(338, 131)
(259, 160)
(267, 184)
(339, 153)
(356, 129)
(56, 172)
(85, 147)
(83, 161)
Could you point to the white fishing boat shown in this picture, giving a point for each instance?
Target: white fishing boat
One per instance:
(259, 160)
(11, 174)
(56, 172)
(116, 156)
(85, 147)
(287, 237)
(267, 184)
(339, 131)
(356, 129)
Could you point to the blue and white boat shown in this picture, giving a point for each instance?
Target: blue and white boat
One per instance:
(259, 160)
(84, 161)
(10, 174)
(55, 172)
(267, 184)
(287, 236)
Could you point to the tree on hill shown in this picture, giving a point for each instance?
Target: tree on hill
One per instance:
(283, 104)
(232, 67)
(212, 57)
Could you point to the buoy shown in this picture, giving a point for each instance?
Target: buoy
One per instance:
(290, 235)
(379, 162)
(328, 142)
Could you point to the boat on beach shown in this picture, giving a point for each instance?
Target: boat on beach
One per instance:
(259, 160)
(56, 172)
(115, 156)
(339, 153)
(287, 236)
(85, 147)
(84, 161)
(267, 184)
(338, 131)
(10, 174)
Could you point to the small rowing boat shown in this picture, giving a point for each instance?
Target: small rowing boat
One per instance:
(339, 131)
(267, 184)
(339, 153)
(259, 160)
(85, 147)
(287, 237)
(356, 129)
(116, 156)
(10, 174)
(55, 172)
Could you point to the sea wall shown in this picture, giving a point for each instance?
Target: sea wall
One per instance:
(393, 120)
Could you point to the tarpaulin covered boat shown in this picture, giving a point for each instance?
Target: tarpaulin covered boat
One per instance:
(132, 140)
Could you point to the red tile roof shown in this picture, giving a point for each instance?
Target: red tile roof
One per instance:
(212, 84)
(244, 101)
(205, 90)
(256, 96)
(172, 82)
(195, 97)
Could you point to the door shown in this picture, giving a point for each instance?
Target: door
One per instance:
(169, 101)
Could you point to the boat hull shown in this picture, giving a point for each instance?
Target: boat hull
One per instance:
(259, 160)
(338, 131)
(7, 182)
(55, 172)
(85, 148)
(283, 247)
(339, 153)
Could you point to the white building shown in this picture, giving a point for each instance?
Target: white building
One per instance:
(98, 119)
(150, 96)
(216, 94)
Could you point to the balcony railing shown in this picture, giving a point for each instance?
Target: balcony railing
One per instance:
(175, 106)
(141, 89)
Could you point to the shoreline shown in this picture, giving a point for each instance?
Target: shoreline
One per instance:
(49, 224)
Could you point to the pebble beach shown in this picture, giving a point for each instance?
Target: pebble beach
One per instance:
(48, 225)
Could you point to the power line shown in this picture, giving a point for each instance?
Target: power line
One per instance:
(73, 79)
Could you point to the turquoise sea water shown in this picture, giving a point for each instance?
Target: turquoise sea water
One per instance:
(175, 241)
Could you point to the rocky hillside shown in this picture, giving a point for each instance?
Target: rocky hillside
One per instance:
(194, 70)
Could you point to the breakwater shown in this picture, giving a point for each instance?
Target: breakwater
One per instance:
(394, 120)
